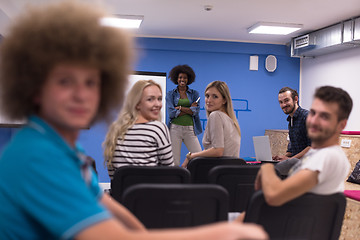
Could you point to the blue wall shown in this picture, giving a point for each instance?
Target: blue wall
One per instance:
(216, 60)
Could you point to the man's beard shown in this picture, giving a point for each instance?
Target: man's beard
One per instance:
(290, 111)
(322, 135)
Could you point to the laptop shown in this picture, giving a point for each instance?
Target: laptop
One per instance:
(262, 149)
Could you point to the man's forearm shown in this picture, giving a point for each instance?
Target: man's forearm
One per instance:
(288, 154)
(278, 192)
(269, 181)
(269, 177)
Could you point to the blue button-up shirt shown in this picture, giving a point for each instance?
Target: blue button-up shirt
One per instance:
(172, 100)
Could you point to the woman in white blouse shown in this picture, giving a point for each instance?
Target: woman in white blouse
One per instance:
(222, 133)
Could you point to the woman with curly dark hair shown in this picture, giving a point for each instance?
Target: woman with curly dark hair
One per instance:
(183, 106)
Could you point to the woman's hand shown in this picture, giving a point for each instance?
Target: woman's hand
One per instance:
(185, 163)
(187, 159)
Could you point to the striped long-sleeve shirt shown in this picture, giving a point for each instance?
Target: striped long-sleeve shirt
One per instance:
(144, 144)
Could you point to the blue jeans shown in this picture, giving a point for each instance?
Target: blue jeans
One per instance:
(284, 167)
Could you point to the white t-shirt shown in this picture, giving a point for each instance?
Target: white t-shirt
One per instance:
(332, 165)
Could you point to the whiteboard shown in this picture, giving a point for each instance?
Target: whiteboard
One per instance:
(159, 77)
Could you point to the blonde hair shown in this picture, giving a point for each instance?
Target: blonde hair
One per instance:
(126, 118)
(224, 91)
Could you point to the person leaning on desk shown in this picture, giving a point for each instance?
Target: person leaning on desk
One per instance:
(63, 70)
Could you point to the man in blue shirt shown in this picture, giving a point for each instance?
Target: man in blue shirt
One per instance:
(61, 70)
(299, 142)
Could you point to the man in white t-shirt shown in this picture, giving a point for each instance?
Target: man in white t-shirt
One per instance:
(323, 169)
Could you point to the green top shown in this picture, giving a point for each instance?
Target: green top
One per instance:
(184, 120)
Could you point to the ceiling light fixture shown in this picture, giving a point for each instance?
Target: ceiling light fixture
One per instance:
(274, 28)
(122, 21)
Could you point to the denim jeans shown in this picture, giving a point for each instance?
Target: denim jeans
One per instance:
(184, 134)
(284, 167)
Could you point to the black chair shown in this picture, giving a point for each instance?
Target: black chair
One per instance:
(199, 167)
(238, 181)
(130, 175)
(177, 205)
(310, 216)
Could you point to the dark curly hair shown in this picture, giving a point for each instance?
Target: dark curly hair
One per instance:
(65, 32)
(175, 71)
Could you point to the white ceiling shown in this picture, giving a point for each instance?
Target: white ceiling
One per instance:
(228, 20)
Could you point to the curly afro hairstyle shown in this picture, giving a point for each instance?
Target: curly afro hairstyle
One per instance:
(175, 71)
(65, 32)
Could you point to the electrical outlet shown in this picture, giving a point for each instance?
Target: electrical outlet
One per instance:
(345, 143)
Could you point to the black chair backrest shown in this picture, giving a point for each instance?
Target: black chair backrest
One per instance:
(238, 180)
(310, 216)
(199, 167)
(177, 205)
(127, 176)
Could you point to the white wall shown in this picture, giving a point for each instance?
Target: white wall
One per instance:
(341, 69)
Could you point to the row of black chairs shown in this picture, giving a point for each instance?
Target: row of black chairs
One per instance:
(230, 188)
(309, 217)
(238, 179)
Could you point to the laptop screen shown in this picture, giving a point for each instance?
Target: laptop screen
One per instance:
(262, 148)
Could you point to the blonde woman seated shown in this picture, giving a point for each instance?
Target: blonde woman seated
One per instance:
(137, 137)
(222, 133)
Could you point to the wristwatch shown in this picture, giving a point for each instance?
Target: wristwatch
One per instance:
(188, 155)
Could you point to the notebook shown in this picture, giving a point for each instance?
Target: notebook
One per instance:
(262, 149)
